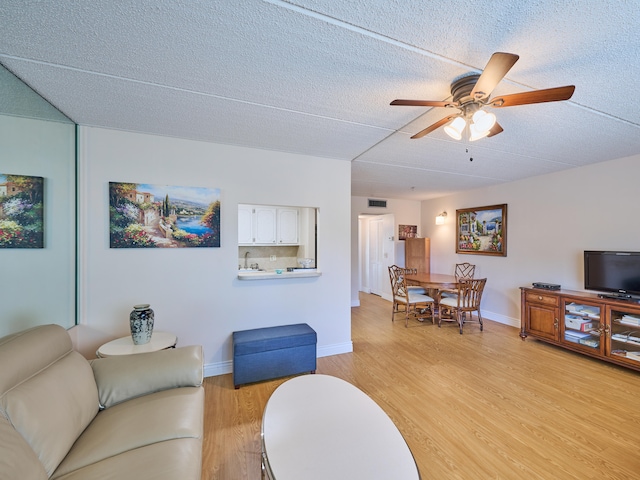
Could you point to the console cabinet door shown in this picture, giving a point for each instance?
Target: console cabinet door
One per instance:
(582, 325)
(541, 315)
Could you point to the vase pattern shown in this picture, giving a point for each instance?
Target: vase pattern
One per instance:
(141, 321)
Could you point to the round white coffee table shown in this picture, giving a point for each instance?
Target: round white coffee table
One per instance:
(125, 346)
(321, 427)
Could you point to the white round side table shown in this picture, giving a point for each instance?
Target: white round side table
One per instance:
(125, 346)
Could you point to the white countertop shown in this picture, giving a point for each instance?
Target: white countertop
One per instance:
(271, 274)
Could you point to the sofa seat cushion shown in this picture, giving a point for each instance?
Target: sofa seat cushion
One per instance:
(169, 460)
(129, 426)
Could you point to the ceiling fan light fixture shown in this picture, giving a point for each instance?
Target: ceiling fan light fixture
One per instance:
(475, 134)
(455, 128)
(483, 121)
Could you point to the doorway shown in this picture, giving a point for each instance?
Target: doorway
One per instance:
(376, 245)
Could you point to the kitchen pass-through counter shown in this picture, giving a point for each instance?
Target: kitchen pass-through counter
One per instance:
(272, 274)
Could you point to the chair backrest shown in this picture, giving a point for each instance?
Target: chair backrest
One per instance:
(465, 270)
(470, 293)
(398, 282)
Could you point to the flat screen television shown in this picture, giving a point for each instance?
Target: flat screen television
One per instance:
(614, 272)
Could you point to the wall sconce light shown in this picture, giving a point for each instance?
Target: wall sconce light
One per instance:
(440, 218)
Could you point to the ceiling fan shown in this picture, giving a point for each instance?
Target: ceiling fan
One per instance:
(471, 93)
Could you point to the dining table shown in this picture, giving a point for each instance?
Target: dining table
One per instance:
(433, 281)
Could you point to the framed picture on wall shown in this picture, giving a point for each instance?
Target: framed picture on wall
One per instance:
(143, 215)
(482, 230)
(407, 231)
(21, 211)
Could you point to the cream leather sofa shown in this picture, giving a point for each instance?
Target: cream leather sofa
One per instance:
(129, 417)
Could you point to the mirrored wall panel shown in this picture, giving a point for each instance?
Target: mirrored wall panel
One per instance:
(37, 210)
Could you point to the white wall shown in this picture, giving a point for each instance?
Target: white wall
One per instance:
(406, 212)
(194, 291)
(551, 220)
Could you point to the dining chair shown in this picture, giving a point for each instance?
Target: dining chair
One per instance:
(462, 270)
(404, 295)
(414, 288)
(466, 302)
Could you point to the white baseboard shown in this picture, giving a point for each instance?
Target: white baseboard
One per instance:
(223, 368)
(335, 349)
(496, 317)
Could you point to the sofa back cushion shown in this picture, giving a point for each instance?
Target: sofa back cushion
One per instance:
(17, 460)
(47, 391)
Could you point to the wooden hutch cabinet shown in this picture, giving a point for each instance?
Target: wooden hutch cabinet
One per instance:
(608, 329)
(417, 254)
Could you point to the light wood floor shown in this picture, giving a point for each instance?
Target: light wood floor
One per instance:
(482, 405)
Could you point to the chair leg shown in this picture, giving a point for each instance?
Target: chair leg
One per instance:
(460, 322)
(480, 320)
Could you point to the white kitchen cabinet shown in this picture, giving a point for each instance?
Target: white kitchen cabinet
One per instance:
(287, 227)
(245, 224)
(267, 225)
(265, 222)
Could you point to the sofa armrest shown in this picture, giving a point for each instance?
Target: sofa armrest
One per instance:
(122, 378)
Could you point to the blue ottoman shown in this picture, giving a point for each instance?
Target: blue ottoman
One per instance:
(273, 352)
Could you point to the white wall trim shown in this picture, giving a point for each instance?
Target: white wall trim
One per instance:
(496, 317)
(223, 368)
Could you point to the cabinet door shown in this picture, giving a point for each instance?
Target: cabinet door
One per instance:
(287, 226)
(581, 326)
(245, 224)
(624, 335)
(541, 311)
(417, 254)
(265, 225)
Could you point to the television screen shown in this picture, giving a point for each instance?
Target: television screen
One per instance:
(612, 272)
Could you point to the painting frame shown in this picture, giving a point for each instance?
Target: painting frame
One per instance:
(21, 211)
(145, 215)
(482, 230)
(407, 231)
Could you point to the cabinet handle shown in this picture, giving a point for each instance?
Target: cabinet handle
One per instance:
(555, 323)
(539, 297)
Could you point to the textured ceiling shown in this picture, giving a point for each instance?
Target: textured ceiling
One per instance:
(316, 78)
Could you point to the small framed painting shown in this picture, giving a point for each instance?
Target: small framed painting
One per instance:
(21, 211)
(482, 230)
(407, 231)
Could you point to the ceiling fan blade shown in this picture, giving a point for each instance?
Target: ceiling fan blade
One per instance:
(497, 67)
(495, 130)
(422, 103)
(433, 127)
(536, 96)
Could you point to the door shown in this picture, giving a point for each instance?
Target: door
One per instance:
(381, 253)
(375, 255)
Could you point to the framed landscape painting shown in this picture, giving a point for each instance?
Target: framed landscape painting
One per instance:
(142, 215)
(21, 211)
(482, 230)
